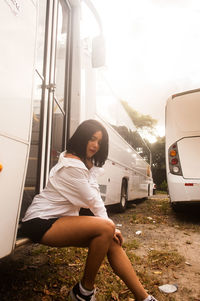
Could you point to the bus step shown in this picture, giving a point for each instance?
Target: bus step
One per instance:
(22, 241)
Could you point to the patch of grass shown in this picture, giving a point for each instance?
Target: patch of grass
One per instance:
(109, 284)
(133, 218)
(132, 244)
(159, 259)
(39, 249)
(133, 257)
(161, 192)
(158, 209)
(165, 207)
(149, 281)
(141, 219)
(67, 256)
(184, 225)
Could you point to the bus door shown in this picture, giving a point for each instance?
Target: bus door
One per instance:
(50, 106)
(17, 54)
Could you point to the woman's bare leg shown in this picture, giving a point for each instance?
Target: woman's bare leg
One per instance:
(83, 231)
(122, 267)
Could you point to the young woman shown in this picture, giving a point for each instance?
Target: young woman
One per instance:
(53, 217)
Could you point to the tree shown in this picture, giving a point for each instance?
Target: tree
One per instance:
(158, 161)
(143, 122)
(147, 123)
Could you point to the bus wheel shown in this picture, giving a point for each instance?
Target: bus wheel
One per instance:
(121, 207)
(175, 207)
(178, 208)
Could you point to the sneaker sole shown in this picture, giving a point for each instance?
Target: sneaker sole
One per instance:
(71, 297)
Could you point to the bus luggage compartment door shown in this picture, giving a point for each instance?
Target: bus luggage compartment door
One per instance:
(12, 159)
(189, 154)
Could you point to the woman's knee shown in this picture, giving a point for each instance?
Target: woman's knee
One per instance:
(111, 229)
(108, 228)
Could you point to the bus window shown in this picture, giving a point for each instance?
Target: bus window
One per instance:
(112, 110)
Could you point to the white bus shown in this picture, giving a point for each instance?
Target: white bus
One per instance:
(128, 172)
(49, 60)
(183, 147)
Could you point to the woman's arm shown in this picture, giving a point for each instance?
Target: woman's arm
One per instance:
(73, 184)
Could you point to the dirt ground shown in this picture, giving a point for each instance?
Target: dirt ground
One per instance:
(165, 251)
(167, 231)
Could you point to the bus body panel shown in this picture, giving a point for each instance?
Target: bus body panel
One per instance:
(17, 53)
(189, 152)
(13, 159)
(17, 56)
(181, 119)
(183, 130)
(123, 162)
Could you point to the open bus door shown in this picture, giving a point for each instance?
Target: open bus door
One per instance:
(17, 54)
(35, 57)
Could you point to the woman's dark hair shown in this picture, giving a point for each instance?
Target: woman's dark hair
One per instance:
(77, 144)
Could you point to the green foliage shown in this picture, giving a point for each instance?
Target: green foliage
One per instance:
(140, 121)
(131, 245)
(158, 152)
(163, 186)
(158, 163)
(146, 122)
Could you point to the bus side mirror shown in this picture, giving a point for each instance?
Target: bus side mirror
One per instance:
(98, 52)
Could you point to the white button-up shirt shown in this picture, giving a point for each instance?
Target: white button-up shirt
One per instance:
(70, 186)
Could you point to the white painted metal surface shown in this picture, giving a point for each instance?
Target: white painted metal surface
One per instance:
(13, 156)
(189, 152)
(183, 133)
(17, 53)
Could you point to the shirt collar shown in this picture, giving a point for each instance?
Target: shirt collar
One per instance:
(66, 161)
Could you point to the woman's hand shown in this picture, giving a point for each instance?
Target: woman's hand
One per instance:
(118, 238)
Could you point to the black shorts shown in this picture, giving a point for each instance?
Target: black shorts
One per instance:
(35, 228)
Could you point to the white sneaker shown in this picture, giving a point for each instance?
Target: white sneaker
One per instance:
(150, 298)
(75, 295)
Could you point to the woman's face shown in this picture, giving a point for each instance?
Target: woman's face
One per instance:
(94, 144)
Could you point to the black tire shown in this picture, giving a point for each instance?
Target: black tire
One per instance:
(176, 207)
(121, 207)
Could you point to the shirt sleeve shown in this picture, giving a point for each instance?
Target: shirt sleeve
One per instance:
(73, 183)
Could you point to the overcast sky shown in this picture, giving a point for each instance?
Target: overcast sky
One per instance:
(153, 50)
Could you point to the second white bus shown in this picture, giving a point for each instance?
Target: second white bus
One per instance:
(183, 147)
